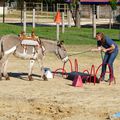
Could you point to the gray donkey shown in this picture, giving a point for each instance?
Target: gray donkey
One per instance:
(10, 44)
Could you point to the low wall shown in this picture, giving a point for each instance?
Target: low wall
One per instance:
(1, 10)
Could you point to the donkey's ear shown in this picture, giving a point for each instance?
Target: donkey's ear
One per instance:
(58, 42)
(39, 37)
(61, 41)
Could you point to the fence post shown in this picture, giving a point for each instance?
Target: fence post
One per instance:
(63, 25)
(58, 32)
(98, 12)
(33, 15)
(69, 18)
(24, 22)
(94, 21)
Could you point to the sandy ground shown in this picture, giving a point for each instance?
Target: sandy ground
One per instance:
(56, 99)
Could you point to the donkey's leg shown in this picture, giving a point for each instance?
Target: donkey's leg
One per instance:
(32, 61)
(42, 69)
(0, 70)
(4, 61)
(3, 64)
(5, 74)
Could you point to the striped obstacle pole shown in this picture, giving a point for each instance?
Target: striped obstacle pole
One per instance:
(64, 72)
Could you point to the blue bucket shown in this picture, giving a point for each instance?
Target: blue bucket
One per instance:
(116, 115)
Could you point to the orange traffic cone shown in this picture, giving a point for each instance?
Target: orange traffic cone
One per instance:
(77, 81)
(57, 18)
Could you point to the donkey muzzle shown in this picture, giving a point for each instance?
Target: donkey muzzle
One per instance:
(65, 59)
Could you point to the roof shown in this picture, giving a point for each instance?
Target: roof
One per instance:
(95, 1)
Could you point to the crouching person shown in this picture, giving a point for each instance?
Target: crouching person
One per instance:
(107, 45)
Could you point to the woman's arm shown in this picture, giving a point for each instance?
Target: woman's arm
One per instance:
(96, 49)
(110, 49)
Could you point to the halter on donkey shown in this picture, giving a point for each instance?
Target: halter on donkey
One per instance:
(10, 44)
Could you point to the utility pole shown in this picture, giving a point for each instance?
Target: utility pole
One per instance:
(4, 11)
(22, 3)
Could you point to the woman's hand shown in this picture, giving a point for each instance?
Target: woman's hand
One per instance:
(93, 50)
(96, 49)
(104, 50)
(110, 49)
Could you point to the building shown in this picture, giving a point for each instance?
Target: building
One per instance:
(2, 5)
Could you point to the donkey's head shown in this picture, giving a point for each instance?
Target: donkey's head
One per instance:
(61, 51)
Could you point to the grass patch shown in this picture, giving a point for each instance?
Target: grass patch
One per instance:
(73, 35)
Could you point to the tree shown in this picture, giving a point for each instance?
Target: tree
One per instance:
(74, 7)
(113, 4)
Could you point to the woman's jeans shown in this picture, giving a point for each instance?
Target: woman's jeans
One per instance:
(108, 61)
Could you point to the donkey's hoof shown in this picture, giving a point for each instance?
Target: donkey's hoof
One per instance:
(7, 78)
(30, 78)
(44, 78)
(2, 74)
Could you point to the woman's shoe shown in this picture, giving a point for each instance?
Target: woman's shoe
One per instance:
(101, 80)
(111, 80)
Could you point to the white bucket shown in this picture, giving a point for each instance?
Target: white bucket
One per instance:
(48, 73)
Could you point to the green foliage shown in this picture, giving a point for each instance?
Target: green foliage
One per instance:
(113, 4)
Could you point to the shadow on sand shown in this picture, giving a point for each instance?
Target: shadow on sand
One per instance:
(24, 76)
(68, 76)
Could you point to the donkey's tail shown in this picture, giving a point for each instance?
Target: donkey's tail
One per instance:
(1, 49)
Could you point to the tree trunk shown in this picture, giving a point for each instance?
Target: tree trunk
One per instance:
(4, 11)
(77, 19)
(72, 13)
(76, 13)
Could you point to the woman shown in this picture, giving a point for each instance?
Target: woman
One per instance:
(107, 45)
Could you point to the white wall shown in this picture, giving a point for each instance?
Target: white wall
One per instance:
(1, 10)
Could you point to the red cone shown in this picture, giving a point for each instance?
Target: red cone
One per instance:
(77, 81)
(58, 18)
